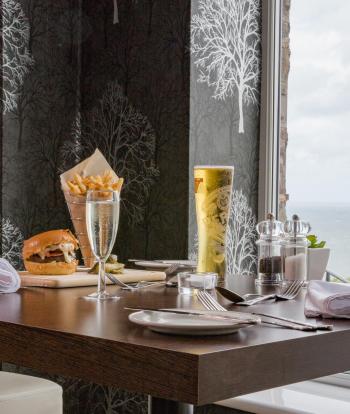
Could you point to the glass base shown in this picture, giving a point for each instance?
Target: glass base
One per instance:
(101, 296)
(268, 280)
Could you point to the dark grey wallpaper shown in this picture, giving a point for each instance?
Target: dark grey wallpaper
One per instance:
(40, 94)
(80, 74)
(135, 108)
(75, 80)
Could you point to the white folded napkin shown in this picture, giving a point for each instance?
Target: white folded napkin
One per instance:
(326, 299)
(9, 278)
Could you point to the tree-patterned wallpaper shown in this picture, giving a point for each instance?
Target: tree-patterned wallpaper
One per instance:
(123, 76)
(224, 112)
(77, 78)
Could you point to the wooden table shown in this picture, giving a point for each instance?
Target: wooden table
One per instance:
(57, 332)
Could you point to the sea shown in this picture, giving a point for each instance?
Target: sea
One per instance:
(329, 222)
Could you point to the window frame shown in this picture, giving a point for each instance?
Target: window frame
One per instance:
(271, 21)
(268, 199)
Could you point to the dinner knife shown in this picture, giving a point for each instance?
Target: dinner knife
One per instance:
(320, 327)
(194, 313)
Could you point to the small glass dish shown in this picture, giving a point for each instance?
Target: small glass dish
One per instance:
(190, 282)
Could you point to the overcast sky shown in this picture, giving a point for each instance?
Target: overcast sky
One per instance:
(318, 154)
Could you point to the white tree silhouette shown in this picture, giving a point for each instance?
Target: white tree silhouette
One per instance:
(241, 236)
(226, 48)
(112, 400)
(11, 242)
(193, 253)
(16, 56)
(76, 136)
(115, 12)
(72, 151)
(127, 140)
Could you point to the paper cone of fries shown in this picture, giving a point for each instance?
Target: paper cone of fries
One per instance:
(76, 206)
(92, 173)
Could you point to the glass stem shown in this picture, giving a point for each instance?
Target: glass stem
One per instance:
(101, 289)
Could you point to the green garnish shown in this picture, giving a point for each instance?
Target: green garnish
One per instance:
(314, 244)
(112, 266)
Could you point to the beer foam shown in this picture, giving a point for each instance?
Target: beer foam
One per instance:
(231, 167)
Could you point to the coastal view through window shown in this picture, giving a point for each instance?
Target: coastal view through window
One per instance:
(315, 113)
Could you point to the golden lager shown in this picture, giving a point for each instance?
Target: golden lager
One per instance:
(213, 187)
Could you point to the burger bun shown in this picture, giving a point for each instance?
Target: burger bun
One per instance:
(52, 268)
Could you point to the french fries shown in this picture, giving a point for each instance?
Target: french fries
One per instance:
(80, 185)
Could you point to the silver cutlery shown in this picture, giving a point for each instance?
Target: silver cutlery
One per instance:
(172, 282)
(211, 303)
(146, 283)
(234, 296)
(117, 281)
(289, 293)
(171, 269)
(280, 318)
(140, 285)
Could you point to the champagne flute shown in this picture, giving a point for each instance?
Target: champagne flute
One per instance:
(102, 218)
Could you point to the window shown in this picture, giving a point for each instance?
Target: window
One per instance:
(304, 142)
(308, 140)
(315, 109)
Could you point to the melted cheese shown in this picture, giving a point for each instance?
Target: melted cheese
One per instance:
(67, 250)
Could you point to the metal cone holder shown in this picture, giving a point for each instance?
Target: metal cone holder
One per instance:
(77, 209)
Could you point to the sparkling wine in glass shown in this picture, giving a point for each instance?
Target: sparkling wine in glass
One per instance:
(102, 218)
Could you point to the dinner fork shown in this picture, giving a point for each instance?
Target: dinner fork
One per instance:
(212, 304)
(289, 293)
(171, 269)
(139, 285)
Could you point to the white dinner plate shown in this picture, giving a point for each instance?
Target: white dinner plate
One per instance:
(177, 324)
(164, 264)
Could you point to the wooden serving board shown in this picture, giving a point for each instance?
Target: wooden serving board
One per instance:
(83, 278)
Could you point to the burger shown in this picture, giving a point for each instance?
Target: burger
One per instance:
(51, 253)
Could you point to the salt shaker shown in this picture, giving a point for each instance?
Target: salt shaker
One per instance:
(269, 251)
(294, 249)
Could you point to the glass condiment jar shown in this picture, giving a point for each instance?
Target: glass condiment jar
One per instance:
(294, 249)
(269, 251)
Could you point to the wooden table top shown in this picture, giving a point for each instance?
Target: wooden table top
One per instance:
(58, 332)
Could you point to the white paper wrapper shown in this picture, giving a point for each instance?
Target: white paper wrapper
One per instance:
(94, 165)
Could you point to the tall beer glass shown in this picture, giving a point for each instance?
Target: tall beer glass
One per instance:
(213, 188)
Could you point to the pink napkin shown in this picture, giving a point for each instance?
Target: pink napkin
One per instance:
(326, 299)
(9, 278)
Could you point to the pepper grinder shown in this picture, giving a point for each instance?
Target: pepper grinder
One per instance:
(269, 251)
(294, 249)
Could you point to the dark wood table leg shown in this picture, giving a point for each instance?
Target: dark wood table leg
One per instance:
(160, 406)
